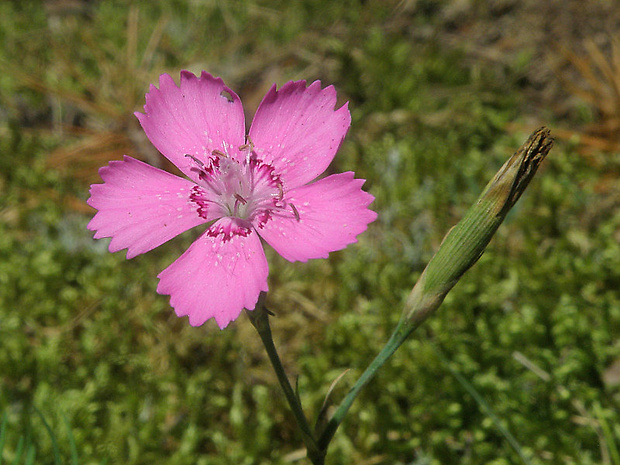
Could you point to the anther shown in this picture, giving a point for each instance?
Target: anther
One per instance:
(248, 145)
(241, 199)
(198, 162)
(218, 153)
(200, 172)
(295, 212)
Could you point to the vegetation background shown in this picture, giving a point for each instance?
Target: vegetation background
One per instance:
(94, 366)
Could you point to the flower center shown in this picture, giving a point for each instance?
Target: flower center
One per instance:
(245, 188)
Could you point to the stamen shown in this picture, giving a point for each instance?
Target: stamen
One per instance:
(241, 199)
(295, 212)
(249, 189)
(206, 174)
(198, 162)
(248, 145)
(238, 200)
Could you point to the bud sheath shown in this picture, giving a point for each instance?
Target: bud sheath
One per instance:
(466, 242)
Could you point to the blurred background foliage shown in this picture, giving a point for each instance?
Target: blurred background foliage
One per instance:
(441, 93)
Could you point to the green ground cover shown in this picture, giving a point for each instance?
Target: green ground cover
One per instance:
(88, 348)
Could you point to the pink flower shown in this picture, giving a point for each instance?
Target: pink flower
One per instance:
(245, 187)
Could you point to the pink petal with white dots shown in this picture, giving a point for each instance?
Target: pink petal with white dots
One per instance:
(325, 216)
(141, 207)
(195, 118)
(221, 273)
(297, 130)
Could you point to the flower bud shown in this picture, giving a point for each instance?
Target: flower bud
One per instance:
(465, 243)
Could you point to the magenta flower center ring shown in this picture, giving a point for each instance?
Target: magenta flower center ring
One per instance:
(244, 188)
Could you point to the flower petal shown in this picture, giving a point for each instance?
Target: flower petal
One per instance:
(141, 207)
(326, 216)
(297, 130)
(221, 273)
(195, 118)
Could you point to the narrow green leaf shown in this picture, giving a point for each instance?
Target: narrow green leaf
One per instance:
(321, 419)
(19, 450)
(484, 405)
(610, 440)
(31, 454)
(74, 453)
(57, 459)
(3, 428)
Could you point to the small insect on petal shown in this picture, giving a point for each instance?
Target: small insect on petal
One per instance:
(227, 95)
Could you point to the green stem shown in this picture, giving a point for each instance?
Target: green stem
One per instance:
(460, 249)
(259, 318)
(399, 335)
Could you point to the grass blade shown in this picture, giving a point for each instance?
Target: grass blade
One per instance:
(74, 453)
(3, 434)
(610, 441)
(57, 460)
(31, 454)
(484, 405)
(18, 450)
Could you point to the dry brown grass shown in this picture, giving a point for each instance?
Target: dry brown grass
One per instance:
(102, 102)
(93, 86)
(593, 77)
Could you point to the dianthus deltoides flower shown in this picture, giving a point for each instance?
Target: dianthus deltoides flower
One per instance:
(245, 187)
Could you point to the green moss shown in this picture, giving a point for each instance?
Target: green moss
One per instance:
(84, 336)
